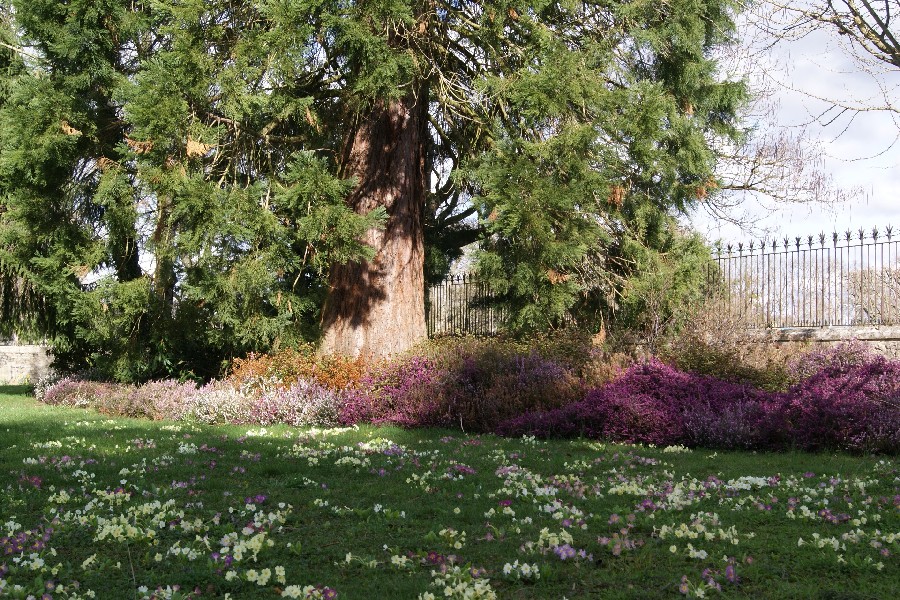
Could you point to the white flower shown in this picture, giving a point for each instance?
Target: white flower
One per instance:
(292, 591)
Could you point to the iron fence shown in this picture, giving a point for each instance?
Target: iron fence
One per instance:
(849, 279)
(459, 304)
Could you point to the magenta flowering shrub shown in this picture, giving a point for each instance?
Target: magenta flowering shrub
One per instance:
(406, 392)
(746, 423)
(482, 395)
(845, 354)
(847, 398)
(849, 404)
(656, 404)
(458, 390)
(492, 379)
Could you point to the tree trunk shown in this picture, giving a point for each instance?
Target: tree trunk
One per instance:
(377, 308)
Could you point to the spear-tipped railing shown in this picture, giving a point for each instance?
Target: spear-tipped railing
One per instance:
(843, 279)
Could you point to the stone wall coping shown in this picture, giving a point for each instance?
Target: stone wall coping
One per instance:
(830, 334)
(22, 348)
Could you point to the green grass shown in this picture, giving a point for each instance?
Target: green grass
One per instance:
(108, 468)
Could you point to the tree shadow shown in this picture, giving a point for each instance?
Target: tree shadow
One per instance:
(16, 390)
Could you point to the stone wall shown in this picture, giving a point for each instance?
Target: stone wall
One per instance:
(23, 364)
(884, 340)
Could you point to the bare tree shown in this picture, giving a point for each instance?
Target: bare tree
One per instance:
(777, 165)
(864, 29)
(773, 165)
(867, 25)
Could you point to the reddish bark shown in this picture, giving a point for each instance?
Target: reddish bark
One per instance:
(377, 307)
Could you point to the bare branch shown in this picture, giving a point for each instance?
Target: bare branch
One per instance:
(863, 29)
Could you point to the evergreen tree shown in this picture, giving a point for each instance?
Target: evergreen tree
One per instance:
(113, 148)
(234, 163)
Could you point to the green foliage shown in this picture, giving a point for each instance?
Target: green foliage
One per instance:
(663, 275)
(535, 242)
(172, 177)
(577, 193)
(121, 167)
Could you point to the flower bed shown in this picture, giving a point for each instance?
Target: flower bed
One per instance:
(843, 399)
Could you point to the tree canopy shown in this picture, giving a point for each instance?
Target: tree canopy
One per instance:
(175, 174)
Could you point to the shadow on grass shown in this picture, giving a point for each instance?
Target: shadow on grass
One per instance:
(15, 390)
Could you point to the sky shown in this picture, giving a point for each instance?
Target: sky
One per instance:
(859, 151)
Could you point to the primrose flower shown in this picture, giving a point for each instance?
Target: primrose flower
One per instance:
(696, 553)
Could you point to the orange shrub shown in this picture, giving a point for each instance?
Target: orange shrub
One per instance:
(280, 370)
(337, 372)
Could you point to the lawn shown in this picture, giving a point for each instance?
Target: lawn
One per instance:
(116, 508)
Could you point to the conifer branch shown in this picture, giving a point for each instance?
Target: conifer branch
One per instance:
(22, 52)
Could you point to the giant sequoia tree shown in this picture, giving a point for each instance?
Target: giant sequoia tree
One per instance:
(264, 166)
